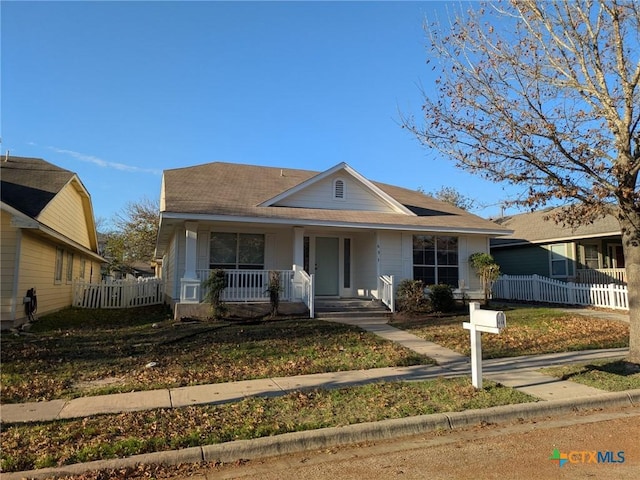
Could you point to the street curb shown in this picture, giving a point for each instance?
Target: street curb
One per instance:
(337, 436)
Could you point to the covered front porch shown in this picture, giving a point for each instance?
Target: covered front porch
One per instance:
(310, 263)
(251, 286)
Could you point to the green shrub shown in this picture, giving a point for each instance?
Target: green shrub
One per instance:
(487, 270)
(410, 297)
(441, 298)
(274, 290)
(214, 285)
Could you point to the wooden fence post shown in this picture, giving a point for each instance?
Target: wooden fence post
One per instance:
(536, 287)
(613, 298)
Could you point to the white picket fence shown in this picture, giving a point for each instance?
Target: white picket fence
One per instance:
(118, 293)
(535, 288)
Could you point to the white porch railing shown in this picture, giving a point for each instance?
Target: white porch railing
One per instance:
(251, 285)
(542, 289)
(385, 291)
(118, 293)
(601, 275)
(308, 291)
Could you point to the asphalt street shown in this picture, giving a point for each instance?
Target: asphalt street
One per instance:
(518, 450)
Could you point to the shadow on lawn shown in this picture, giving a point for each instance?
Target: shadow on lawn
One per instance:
(620, 367)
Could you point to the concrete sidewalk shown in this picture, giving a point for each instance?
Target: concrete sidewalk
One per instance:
(518, 372)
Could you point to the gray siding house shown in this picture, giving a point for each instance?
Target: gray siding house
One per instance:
(590, 253)
(349, 236)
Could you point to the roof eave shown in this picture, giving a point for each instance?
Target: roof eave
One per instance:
(329, 223)
(25, 222)
(521, 242)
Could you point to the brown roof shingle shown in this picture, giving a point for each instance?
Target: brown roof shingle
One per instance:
(29, 184)
(237, 190)
(534, 227)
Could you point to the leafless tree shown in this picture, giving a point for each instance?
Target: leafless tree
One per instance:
(453, 197)
(134, 237)
(545, 96)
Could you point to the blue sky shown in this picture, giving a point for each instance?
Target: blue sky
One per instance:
(119, 91)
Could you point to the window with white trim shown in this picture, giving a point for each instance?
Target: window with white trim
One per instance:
(57, 276)
(559, 260)
(69, 267)
(591, 255)
(233, 251)
(83, 268)
(435, 259)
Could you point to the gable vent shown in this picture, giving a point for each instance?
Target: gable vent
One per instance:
(338, 189)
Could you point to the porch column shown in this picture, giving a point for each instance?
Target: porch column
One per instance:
(298, 262)
(298, 246)
(190, 249)
(190, 284)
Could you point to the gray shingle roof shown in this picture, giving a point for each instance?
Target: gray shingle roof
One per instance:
(534, 228)
(29, 184)
(237, 190)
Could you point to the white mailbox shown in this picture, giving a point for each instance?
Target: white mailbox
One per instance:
(491, 321)
(488, 318)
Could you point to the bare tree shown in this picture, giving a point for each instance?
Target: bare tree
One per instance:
(134, 237)
(545, 95)
(454, 197)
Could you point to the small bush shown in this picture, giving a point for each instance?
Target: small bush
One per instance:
(410, 297)
(441, 298)
(274, 290)
(213, 286)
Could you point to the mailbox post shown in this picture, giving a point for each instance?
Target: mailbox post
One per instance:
(490, 321)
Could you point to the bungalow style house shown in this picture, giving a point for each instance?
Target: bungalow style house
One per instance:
(590, 253)
(48, 237)
(331, 234)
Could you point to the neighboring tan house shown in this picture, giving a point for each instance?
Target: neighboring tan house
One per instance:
(350, 234)
(590, 253)
(48, 236)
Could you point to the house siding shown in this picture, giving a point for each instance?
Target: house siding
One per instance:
(169, 274)
(66, 214)
(320, 195)
(467, 246)
(9, 238)
(37, 270)
(390, 250)
(364, 263)
(525, 260)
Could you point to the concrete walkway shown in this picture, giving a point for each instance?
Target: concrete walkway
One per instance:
(516, 372)
(519, 372)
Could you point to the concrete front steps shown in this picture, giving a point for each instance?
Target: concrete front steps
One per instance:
(350, 308)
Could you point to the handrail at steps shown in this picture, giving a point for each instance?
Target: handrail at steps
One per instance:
(385, 291)
(308, 291)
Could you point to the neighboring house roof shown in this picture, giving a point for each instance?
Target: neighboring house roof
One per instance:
(235, 192)
(28, 186)
(538, 227)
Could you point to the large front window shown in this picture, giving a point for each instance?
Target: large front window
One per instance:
(435, 259)
(591, 256)
(236, 251)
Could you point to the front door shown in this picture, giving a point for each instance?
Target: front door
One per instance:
(327, 266)
(616, 256)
